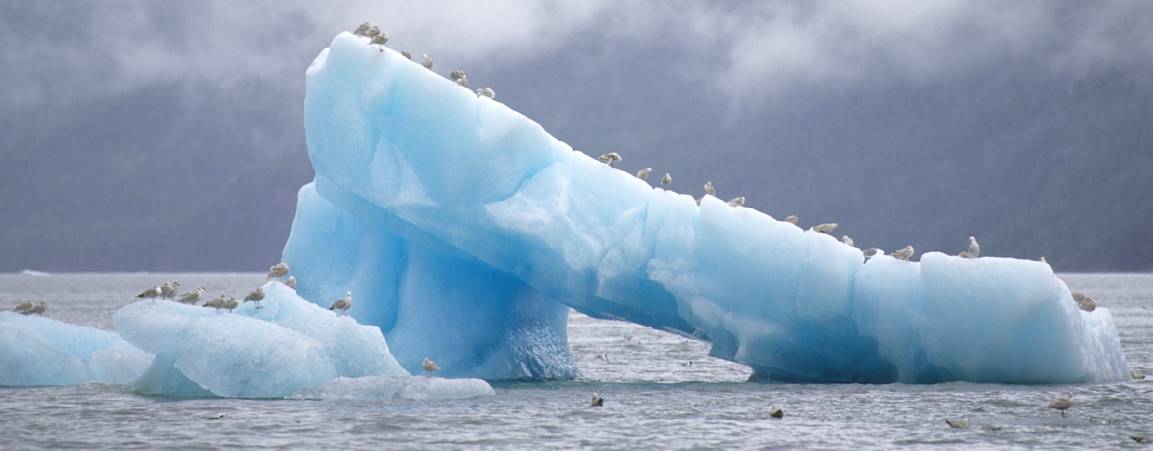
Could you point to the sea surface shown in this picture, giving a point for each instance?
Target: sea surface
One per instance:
(654, 397)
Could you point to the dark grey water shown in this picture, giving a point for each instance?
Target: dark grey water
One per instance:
(654, 399)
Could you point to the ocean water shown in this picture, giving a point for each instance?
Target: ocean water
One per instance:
(660, 390)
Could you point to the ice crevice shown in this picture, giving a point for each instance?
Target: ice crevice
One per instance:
(513, 226)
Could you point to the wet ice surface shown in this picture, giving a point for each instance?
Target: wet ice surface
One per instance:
(653, 397)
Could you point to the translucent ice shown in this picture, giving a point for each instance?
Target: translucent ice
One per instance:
(464, 229)
(42, 351)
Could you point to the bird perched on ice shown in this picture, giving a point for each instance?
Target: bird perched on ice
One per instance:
(278, 270)
(738, 201)
(343, 304)
(610, 158)
(792, 219)
(406, 54)
(217, 303)
(644, 173)
(230, 304)
(1062, 403)
(462, 82)
(848, 241)
(973, 251)
(39, 309)
(24, 308)
(872, 252)
(193, 296)
(666, 180)
(256, 296)
(486, 92)
(710, 189)
(1086, 303)
(429, 366)
(151, 293)
(904, 253)
(291, 282)
(379, 40)
(426, 61)
(168, 290)
(598, 401)
(362, 30)
(457, 74)
(827, 227)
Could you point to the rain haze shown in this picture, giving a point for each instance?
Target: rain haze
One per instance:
(168, 136)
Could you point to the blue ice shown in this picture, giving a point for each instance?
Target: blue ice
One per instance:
(465, 231)
(42, 351)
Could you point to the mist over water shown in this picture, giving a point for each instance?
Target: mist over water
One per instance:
(654, 398)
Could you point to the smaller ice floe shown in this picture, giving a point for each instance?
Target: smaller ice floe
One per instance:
(40, 351)
(285, 346)
(417, 388)
(33, 272)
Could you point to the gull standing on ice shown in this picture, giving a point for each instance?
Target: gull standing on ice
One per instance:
(610, 158)
(426, 61)
(379, 40)
(666, 180)
(738, 201)
(1062, 403)
(362, 30)
(39, 309)
(792, 219)
(230, 304)
(192, 296)
(166, 291)
(904, 253)
(151, 293)
(1086, 303)
(405, 54)
(217, 303)
(973, 251)
(872, 252)
(291, 282)
(343, 304)
(644, 173)
(278, 270)
(429, 366)
(255, 296)
(848, 241)
(710, 189)
(827, 227)
(486, 92)
(24, 308)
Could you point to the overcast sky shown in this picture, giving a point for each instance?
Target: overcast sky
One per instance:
(163, 135)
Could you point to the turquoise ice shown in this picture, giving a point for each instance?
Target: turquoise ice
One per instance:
(465, 231)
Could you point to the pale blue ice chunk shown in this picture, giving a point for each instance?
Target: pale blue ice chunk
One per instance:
(42, 351)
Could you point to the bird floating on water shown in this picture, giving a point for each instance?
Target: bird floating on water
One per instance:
(151, 293)
(343, 304)
(904, 253)
(1062, 403)
(1140, 439)
(957, 423)
(610, 158)
(256, 296)
(738, 201)
(429, 366)
(666, 180)
(277, 271)
(193, 296)
(973, 251)
(291, 282)
(598, 401)
(776, 412)
(827, 227)
(486, 92)
(644, 173)
(602, 356)
(792, 219)
(848, 241)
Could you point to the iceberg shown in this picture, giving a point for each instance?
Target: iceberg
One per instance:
(38, 351)
(465, 232)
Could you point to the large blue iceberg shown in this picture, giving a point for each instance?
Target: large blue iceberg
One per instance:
(466, 231)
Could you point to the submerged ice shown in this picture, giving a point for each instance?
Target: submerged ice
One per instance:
(466, 231)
